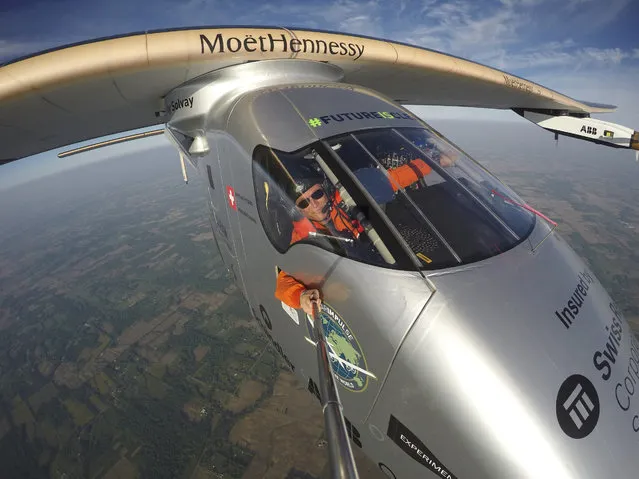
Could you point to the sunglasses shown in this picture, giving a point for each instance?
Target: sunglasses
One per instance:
(316, 195)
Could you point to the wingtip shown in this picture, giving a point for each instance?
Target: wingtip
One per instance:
(599, 107)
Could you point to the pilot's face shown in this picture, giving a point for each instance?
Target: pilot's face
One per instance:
(312, 203)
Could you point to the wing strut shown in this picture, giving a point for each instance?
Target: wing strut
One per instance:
(113, 141)
(339, 448)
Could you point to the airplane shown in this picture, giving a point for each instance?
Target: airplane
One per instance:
(461, 336)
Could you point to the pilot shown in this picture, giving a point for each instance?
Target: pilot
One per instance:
(447, 159)
(321, 212)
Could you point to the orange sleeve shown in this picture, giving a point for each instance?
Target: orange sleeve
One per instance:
(301, 230)
(288, 290)
(406, 175)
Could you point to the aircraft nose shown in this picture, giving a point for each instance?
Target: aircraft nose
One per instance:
(523, 367)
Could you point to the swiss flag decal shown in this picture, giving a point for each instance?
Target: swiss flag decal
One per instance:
(230, 195)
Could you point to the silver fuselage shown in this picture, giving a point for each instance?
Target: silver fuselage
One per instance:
(516, 365)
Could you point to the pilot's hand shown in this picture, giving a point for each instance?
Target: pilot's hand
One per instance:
(307, 299)
(447, 159)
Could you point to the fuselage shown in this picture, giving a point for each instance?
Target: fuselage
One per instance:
(473, 342)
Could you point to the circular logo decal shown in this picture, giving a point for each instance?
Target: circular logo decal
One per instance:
(577, 406)
(344, 345)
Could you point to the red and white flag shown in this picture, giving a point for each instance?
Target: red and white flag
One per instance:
(230, 194)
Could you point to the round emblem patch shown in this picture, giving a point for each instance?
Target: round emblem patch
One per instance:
(344, 345)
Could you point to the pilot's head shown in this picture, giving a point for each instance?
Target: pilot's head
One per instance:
(448, 158)
(313, 203)
(310, 197)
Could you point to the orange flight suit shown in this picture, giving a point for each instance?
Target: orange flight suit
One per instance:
(288, 289)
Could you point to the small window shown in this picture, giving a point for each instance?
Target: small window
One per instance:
(273, 205)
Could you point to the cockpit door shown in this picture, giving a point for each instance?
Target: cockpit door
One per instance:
(367, 308)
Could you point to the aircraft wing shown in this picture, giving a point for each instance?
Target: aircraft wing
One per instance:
(88, 90)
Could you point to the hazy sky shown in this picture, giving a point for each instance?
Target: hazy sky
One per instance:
(587, 49)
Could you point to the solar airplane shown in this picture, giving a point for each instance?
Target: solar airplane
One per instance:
(445, 327)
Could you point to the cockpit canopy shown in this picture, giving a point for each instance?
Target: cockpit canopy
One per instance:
(394, 197)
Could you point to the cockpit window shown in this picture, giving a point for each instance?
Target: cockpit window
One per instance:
(500, 199)
(446, 207)
(438, 204)
(300, 200)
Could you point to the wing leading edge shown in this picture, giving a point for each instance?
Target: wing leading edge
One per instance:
(108, 86)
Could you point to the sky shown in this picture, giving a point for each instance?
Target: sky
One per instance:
(586, 49)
